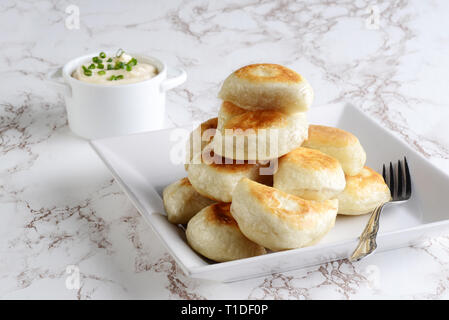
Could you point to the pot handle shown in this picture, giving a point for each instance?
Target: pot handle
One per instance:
(170, 83)
(55, 77)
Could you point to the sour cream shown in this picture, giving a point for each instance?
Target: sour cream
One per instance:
(114, 72)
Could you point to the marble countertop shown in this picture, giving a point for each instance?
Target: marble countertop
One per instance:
(62, 213)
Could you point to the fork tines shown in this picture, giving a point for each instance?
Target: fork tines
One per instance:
(397, 179)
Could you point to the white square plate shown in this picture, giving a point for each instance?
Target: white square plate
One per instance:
(141, 165)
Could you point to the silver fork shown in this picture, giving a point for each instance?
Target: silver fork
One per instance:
(400, 185)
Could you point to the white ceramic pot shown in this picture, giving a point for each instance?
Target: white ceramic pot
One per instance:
(97, 111)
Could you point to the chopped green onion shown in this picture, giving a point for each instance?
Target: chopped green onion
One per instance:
(87, 72)
(128, 67)
(119, 65)
(110, 67)
(132, 62)
(101, 72)
(118, 77)
(97, 60)
(109, 60)
(102, 55)
(92, 66)
(100, 66)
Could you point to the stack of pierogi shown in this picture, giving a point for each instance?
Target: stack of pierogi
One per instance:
(260, 177)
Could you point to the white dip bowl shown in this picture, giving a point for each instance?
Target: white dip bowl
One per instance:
(97, 110)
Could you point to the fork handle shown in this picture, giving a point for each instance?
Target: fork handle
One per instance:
(367, 240)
